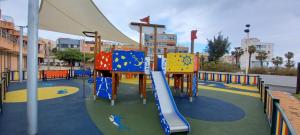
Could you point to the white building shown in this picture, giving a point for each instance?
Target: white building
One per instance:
(168, 41)
(260, 46)
(227, 58)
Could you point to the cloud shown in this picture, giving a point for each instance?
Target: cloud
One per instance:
(274, 21)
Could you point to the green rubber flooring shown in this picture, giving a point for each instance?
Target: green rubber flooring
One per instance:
(137, 119)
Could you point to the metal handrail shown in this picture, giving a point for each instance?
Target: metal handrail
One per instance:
(3, 87)
(285, 118)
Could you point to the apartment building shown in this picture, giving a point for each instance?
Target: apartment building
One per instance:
(168, 41)
(65, 43)
(9, 46)
(260, 46)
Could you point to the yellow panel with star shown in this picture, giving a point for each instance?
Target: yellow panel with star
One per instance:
(180, 62)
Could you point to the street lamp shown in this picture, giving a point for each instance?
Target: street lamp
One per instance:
(247, 31)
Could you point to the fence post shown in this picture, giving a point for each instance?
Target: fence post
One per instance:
(248, 80)
(258, 84)
(265, 98)
(298, 79)
(8, 74)
(43, 75)
(261, 88)
(258, 81)
(1, 107)
(274, 115)
(23, 76)
(227, 78)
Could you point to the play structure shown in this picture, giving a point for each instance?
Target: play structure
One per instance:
(111, 65)
(183, 66)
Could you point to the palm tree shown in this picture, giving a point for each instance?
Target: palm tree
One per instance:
(251, 50)
(237, 53)
(289, 56)
(202, 59)
(277, 61)
(261, 56)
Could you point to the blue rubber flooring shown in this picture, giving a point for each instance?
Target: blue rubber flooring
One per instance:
(209, 109)
(60, 116)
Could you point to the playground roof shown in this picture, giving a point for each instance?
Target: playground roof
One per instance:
(76, 16)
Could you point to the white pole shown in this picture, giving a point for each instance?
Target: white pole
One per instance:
(47, 55)
(32, 68)
(21, 54)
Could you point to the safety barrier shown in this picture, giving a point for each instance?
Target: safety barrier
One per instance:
(277, 119)
(54, 74)
(4, 81)
(228, 77)
(44, 74)
(82, 73)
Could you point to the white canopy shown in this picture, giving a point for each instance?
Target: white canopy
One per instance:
(76, 16)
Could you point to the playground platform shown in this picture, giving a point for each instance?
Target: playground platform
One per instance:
(218, 110)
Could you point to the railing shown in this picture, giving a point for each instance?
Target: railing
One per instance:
(228, 77)
(82, 73)
(4, 81)
(277, 119)
(51, 74)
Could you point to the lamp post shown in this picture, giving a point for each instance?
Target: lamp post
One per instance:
(21, 53)
(247, 31)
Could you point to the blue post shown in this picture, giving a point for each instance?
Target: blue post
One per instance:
(227, 78)
(248, 80)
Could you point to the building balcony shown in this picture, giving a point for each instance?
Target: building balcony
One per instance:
(6, 25)
(11, 47)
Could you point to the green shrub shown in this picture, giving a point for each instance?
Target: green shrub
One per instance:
(274, 71)
(284, 71)
(258, 70)
(219, 67)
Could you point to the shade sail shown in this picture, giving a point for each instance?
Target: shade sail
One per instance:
(76, 16)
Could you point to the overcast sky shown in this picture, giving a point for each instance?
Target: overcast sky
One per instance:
(275, 21)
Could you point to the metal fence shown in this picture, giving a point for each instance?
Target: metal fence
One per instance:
(51, 74)
(277, 119)
(228, 77)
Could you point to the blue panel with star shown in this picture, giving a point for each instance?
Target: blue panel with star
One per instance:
(104, 87)
(128, 61)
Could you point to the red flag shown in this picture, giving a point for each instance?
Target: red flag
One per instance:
(193, 34)
(146, 19)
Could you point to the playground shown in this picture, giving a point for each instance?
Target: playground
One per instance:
(218, 110)
(134, 91)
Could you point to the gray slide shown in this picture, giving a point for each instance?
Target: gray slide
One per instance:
(170, 114)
